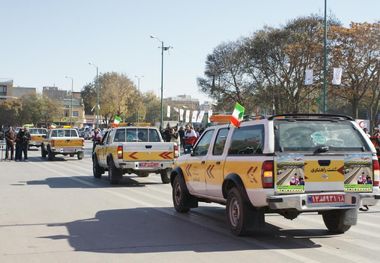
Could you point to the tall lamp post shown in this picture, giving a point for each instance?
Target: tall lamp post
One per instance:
(325, 60)
(71, 104)
(97, 93)
(163, 48)
(138, 88)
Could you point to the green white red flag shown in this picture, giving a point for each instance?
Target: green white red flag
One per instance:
(116, 119)
(237, 115)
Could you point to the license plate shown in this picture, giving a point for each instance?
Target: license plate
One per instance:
(149, 165)
(322, 199)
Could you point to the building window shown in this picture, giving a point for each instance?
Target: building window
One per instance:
(75, 113)
(66, 113)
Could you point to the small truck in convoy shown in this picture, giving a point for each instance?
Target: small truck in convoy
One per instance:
(63, 141)
(287, 164)
(133, 150)
(37, 136)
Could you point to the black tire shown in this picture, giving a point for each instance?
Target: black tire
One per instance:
(333, 220)
(180, 195)
(165, 176)
(142, 174)
(238, 212)
(114, 174)
(96, 169)
(80, 155)
(43, 151)
(51, 155)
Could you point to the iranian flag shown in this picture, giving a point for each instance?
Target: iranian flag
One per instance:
(116, 120)
(237, 115)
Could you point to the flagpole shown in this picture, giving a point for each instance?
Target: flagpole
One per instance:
(325, 60)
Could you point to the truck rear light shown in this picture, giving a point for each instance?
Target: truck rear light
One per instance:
(267, 173)
(176, 151)
(52, 143)
(376, 172)
(120, 152)
(82, 142)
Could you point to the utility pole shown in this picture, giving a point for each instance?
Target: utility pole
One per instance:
(163, 48)
(97, 94)
(138, 88)
(71, 104)
(325, 60)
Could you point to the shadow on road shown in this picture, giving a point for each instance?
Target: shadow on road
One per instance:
(150, 230)
(87, 181)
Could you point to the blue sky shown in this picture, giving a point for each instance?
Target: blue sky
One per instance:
(44, 40)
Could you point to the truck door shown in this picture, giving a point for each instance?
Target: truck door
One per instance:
(215, 164)
(197, 165)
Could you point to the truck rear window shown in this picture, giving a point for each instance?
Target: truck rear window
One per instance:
(137, 135)
(304, 135)
(64, 133)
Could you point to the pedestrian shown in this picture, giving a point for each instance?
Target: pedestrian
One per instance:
(190, 138)
(19, 144)
(96, 138)
(10, 138)
(167, 133)
(181, 134)
(366, 132)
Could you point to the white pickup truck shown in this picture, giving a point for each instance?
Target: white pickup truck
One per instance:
(133, 150)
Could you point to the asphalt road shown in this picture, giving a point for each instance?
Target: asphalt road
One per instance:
(57, 212)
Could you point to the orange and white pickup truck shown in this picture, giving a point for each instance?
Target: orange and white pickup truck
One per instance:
(37, 136)
(62, 141)
(133, 150)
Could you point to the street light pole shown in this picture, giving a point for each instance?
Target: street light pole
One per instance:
(163, 48)
(71, 106)
(97, 94)
(325, 60)
(138, 88)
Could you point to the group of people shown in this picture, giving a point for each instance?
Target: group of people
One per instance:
(20, 141)
(186, 137)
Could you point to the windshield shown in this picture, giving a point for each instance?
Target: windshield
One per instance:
(136, 135)
(304, 135)
(37, 131)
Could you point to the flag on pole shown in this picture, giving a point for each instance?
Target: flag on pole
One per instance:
(209, 115)
(200, 116)
(337, 76)
(116, 119)
(194, 116)
(187, 119)
(168, 112)
(175, 109)
(181, 111)
(237, 115)
(309, 77)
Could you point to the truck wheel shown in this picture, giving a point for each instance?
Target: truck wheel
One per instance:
(165, 176)
(114, 174)
(80, 155)
(43, 151)
(180, 195)
(97, 170)
(237, 212)
(333, 220)
(51, 155)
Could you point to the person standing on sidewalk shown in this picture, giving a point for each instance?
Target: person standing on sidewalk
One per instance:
(25, 143)
(10, 138)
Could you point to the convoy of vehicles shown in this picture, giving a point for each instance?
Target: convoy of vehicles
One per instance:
(63, 141)
(288, 164)
(137, 150)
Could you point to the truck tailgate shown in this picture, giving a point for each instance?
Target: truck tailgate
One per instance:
(67, 142)
(149, 151)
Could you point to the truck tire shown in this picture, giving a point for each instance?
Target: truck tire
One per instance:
(96, 169)
(165, 176)
(80, 155)
(114, 174)
(237, 212)
(51, 155)
(333, 220)
(43, 151)
(180, 195)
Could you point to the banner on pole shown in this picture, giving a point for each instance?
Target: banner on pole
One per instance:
(309, 77)
(200, 116)
(187, 119)
(209, 115)
(194, 116)
(168, 112)
(337, 76)
(181, 112)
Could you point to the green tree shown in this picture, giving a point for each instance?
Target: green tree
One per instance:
(9, 111)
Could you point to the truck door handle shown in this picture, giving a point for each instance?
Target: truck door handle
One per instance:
(218, 162)
(148, 146)
(203, 162)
